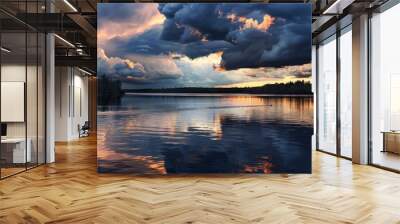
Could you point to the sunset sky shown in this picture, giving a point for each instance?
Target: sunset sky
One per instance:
(149, 45)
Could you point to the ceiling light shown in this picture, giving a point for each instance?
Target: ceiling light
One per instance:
(5, 50)
(84, 71)
(334, 5)
(64, 40)
(70, 5)
(337, 7)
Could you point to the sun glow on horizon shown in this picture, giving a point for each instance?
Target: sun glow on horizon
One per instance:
(263, 82)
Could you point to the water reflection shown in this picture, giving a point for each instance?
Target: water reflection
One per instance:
(206, 134)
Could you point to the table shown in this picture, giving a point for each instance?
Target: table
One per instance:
(19, 155)
(391, 141)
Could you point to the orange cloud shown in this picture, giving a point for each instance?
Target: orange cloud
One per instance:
(149, 17)
(110, 62)
(249, 23)
(218, 68)
(219, 53)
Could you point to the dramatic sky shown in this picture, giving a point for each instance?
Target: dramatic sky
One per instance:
(149, 45)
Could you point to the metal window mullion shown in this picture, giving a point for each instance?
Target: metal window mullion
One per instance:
(369, 98)
(0, 92)
(338, 93)
(26, 87)
(317, 97)
(37, 91)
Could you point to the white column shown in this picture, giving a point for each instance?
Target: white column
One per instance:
(50, 99)
(62, 103)
(50, 92)
(314, 88)
(360, 90)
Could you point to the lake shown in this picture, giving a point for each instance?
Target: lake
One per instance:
(204, 133)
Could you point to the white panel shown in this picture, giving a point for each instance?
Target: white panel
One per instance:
(77, 112)
(346, 94)
(12, 101)
(395, 102)
(327, 97)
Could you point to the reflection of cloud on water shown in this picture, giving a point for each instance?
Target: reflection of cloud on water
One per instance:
(250, 139)
(263, 167)
(112, 161)
(198, 151)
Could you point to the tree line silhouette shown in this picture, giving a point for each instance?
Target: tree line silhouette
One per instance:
(110, 90)
(289, 88)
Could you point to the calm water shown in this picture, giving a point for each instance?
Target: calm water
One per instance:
(206, 133)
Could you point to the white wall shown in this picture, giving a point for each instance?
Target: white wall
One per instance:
(71, 102)
(62, 81)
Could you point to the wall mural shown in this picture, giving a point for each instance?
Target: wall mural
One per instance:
(204, 88)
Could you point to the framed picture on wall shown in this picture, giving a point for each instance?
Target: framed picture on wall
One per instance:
(204, 88)
(13, 101)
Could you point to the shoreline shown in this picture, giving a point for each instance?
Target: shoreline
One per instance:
(215, 94)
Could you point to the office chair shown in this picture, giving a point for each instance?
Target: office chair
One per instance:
(84, 130)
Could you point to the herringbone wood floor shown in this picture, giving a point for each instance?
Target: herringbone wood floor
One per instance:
(70, 191)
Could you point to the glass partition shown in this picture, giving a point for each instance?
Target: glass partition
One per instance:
(31, 98)
(22, 88)
(327, 95)
(13, 94)
(385, 89)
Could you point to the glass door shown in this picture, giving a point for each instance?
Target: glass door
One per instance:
(22, 77)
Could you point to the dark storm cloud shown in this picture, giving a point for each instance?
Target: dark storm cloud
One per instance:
(123, 13)
(113, 12)
(174, 32)
(286, 42)
(283, 45)
(170, 9)
(202, 17)
(150, 43)
(298, 13)
(140, 70)
(271, 36)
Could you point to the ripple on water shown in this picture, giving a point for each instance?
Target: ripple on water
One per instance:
(251, 134)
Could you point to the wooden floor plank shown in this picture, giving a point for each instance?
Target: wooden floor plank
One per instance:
(71, 191)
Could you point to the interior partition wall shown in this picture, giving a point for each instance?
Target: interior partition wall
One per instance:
(22, 77)
(385, 88)
(334, 93)
(71, 102)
